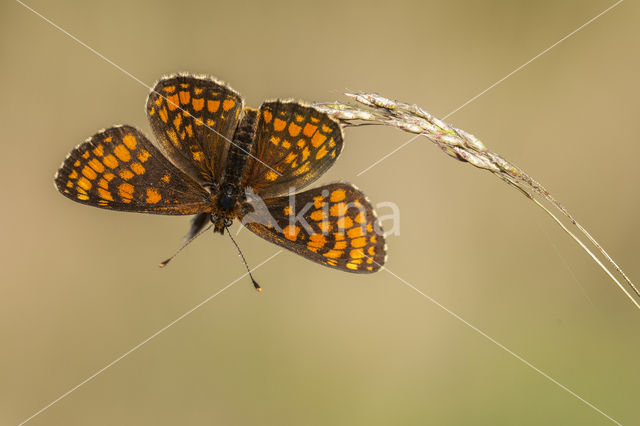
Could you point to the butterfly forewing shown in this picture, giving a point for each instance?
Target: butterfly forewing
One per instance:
(194, 119)
(294, 145)
(120, 169)
(333, 225)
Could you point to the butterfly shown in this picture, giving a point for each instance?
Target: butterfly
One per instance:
(220, 161)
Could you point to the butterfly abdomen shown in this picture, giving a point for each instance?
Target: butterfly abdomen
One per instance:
(239, 151)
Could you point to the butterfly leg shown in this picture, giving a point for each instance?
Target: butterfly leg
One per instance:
(198, 222)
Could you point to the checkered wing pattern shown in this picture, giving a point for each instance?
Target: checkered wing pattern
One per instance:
(295, 144)
(194, 119)
(333, 225)
(120, 169)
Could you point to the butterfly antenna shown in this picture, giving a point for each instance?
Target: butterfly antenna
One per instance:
(164, 263)
(255, 283)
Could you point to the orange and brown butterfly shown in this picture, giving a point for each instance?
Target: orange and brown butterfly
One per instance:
(217, 160)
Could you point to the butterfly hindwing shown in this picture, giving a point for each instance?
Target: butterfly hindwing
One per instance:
(194, 119)
(120, 169)
(334, 225)
(294, 145)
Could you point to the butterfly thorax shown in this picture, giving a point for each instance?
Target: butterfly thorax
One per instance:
(229, 200)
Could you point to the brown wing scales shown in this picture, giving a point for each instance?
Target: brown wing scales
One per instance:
(120, 169)
(295, 144)
(193, 119)
(333, 225)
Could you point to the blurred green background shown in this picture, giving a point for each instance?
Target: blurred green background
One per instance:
(81, 287)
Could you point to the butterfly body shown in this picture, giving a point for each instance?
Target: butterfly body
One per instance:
(220, 161)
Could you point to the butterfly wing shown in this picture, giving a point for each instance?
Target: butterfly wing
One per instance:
(193, 119)
(294, 145)
(120, 169)
(334, 225)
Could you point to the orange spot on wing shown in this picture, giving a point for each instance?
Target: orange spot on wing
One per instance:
(109, 176)
(345, 222)
(355, 232)
(143, 155)
(309, 130)
(291, 232)
(102, 183)
(213, 106)
(104, 194)
(340, 245)
(130, 141)
(153, 196)
(356, 253)
(89, 172)
(271, 176)
(84, 183)
(267, 116)
(85, 155)
(169, 89)
(321, 153)
(137, 168)
(98, 151)
(333, 254)
(185, 97)
(325, 226)
(302, 169)
(73, 174)
(164, 115)
(166, 178)
(288, 211)
(318, 139)
(318, 202)
(110, 161)
(126, 174)
(359, 242)
(177, 121)
(173, 102)
(96, 165)
(289, 158)
(317, 215)
(198, 156)
(126, 192)
(338, 209)
(279, 125)
(317, 240)
(198, 103)
(122, 153)
(174, 138)
(338, 195)
(189, 130)
(294, 129)
(228, 104)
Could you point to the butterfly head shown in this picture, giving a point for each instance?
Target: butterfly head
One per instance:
(227, 204)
